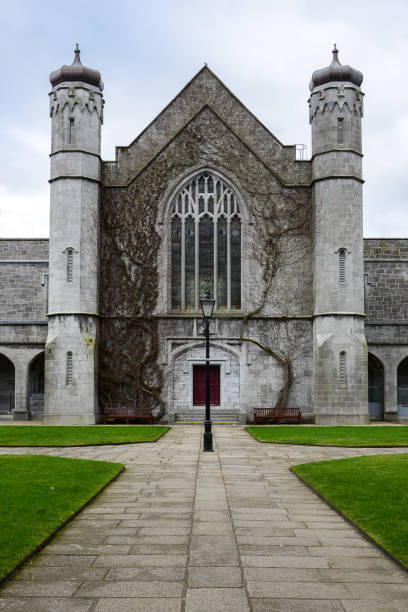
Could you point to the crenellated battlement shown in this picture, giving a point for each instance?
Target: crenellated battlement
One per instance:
(334, 96)
(76, 95)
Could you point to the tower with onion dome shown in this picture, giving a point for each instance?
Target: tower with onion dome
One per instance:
(76, 106)
(339, 345)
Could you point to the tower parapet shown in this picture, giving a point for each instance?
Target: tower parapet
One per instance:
(76, 110)
(340, 350)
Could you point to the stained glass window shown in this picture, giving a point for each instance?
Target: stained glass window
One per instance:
(222, 263)
(205, 244)
(176, 263)
(235, 263)
(190, 262)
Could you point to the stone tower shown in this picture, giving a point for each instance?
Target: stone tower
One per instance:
(76, 106)
(339, 345)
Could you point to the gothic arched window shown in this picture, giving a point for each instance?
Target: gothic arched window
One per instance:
(205, 244)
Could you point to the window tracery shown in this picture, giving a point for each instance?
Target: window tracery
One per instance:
(205, 244)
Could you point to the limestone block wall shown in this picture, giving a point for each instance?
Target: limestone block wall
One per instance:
(23, 264)
(23, 321)
(386, 303)
(340, 393)
(338, 226)
(70, 357)
(386, 279)
(30, 334)
(74, 222)
(390, 355)
(205, 89)
(7, 390)
(24, 248)
(250, 377)
(390, 334)
(208, 143)
(21, 355)
(183, 377)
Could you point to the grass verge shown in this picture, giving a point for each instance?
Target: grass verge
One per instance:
(370, 491)
(38, 494)
(44, 435)
(332, 436)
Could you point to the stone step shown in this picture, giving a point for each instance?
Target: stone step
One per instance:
(217, 416)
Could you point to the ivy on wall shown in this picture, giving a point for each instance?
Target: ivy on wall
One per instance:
(129, 371)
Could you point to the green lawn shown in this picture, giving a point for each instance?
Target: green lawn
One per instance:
(371, 491)
(37, 494)
(374, 435)
(40, 435)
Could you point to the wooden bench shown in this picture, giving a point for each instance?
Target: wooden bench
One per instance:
(112, 413)
(276, 414)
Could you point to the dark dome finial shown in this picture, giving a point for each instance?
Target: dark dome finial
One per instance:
(76, 72)
(335, 72)
(77, 59)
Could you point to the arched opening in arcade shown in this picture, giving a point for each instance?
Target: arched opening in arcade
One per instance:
(36, 387)
(7, 386)
(375, 388)
(403, 388)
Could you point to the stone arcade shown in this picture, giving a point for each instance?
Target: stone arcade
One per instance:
(204, 198)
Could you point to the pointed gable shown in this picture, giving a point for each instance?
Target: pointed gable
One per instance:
(205, 89)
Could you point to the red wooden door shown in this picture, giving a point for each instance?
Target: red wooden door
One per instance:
(199, 385)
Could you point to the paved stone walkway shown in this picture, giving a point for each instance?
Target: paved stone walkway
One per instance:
(232, 530)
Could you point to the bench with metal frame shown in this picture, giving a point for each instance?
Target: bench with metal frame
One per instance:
(127, 414)
(277, 414)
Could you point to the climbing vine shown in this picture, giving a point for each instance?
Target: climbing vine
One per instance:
(129, 370)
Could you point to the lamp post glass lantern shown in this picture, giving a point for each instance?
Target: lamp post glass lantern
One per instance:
(207, 306)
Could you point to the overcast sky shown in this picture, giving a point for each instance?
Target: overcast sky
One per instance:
(146, 50)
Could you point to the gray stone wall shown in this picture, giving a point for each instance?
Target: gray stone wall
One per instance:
(23, 264)
(70, 400)
(386, 304)
(23, 321)
(76, 111)
(254, 377)
(340, 349)
(390, 334)
(34, 334)
(24, 248)
(205, 89)
(183, 375)
(386, 280)
(6, 385)
(206, 141)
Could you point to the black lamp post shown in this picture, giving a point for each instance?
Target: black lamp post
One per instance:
(207, 306)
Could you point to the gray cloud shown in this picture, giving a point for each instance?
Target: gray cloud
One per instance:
(264, 51)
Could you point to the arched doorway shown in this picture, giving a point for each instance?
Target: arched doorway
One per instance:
(375, 388)
(7, 386)
(189, 380)
(403, 388)
(36, 387)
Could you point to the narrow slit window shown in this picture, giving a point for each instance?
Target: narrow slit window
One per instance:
(69, 368)
(71, 131)
(342, 368)
(342, 265)
(340, 131)
(70, 265)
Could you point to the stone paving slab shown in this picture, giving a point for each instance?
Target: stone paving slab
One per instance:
(147, 604)
(186, 531)
(45, 604)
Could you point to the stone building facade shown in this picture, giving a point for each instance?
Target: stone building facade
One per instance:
(107, 311)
